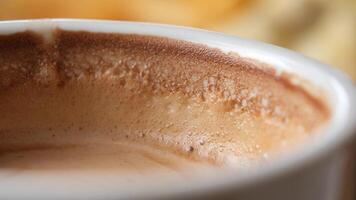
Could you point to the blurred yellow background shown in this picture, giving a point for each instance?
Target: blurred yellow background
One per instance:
(323, 29)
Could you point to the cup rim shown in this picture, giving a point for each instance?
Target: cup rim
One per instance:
(338, 131)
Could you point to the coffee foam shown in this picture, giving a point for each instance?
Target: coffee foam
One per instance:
(129, 102)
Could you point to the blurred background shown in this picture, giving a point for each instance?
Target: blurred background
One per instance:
(323, 29)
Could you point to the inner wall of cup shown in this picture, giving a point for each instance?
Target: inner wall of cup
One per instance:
(224, 83)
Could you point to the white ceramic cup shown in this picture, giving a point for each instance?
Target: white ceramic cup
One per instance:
(313, 173)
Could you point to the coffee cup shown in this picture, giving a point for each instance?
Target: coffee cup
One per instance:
(313, 170)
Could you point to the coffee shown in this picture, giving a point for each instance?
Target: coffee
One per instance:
(136, 104)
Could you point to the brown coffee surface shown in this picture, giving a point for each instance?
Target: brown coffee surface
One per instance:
(134, 103)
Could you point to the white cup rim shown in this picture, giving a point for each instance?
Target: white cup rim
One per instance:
(340, 129)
